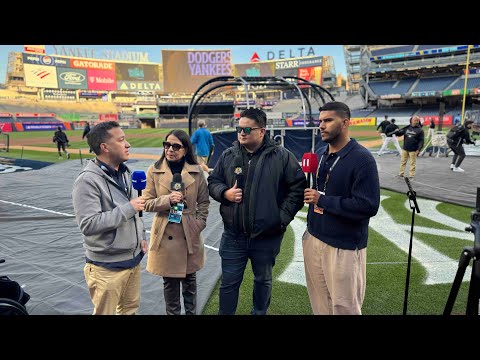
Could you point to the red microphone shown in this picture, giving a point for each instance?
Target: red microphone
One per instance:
(310, 165)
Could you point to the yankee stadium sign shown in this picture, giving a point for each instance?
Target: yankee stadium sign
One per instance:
(135, 56)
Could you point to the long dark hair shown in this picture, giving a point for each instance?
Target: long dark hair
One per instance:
(185, 140)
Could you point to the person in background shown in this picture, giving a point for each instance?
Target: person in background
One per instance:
(381, 129)
(106, 209)
(431, 128)
(413, 140)
(85, 133)
(346, 196)
(256, 208)
(176, 249)
(455, 141)
(203, 141)
(457, 119)
(390, 137)
(62, 141)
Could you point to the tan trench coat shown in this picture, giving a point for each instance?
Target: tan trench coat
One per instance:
(176, 249)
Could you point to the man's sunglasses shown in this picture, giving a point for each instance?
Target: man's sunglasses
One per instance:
(175, 147)
(247, 130)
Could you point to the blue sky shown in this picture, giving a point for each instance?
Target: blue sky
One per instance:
(240, 53)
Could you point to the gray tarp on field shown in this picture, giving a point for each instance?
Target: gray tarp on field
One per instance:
(43, 250)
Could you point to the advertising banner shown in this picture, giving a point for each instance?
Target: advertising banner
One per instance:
(455, 92)
(101, 80)
(31, 126)
(39, 49)
(399, 120)
(311, 74)
(90, 64)
(108, 117)
(423, 93)
(59, 94)
(69, 78)
(5, 115)
(255, 69)
(299, 63)
(304, 122)
(36, 59)
(40, 76)
(447, 120)
(362, 121)
(34, 115)
(185, 70)
(139, 85)
(6, 127)
(136, 72)
(314, 74)
(93, 94)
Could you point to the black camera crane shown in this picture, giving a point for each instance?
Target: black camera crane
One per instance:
(467, 254)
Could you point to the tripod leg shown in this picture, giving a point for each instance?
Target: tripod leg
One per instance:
(467, 254)
(474, 290)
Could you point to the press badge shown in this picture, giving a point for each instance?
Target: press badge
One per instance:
(176, 211)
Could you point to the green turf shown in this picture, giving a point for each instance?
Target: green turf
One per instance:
(386, 272)
(40, 155)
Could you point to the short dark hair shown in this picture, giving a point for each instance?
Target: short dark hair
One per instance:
(340, 108)
(256, 115)
(393, 120)
(59, 128)
(99, 134)
(187, 144)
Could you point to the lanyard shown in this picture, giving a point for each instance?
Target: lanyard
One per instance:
(328, 173)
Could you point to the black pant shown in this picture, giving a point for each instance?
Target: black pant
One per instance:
(235, 250)
(61, 145)
(171, 292)
(458, 151)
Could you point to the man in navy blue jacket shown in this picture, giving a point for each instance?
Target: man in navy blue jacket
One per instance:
(347, 195)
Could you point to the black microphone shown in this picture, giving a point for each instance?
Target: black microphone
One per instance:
(139, 182)
(177, 184)
(238, 170)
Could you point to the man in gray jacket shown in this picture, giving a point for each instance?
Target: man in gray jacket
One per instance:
(106, 210)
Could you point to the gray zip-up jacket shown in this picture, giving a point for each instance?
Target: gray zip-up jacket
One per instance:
(112, 229)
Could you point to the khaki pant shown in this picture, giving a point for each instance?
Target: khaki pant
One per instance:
(113, 291)
(335, 277)
(413, 162)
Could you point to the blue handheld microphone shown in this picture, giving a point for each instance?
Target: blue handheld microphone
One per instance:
(139, 182)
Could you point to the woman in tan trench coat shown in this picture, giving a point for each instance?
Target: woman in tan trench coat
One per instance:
(176, 249)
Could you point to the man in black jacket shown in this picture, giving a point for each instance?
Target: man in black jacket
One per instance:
(391, 137)
(260, 187)
(455, 143)
(62, 140)
(412, 144)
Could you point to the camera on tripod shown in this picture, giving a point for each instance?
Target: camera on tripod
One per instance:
(467, 254)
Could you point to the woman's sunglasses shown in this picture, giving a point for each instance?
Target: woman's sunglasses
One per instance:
(175, 147)
(246, 130)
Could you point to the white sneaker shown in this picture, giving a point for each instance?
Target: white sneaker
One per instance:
(68, 155)
(458, 169)
(452, 166)
(61, 157)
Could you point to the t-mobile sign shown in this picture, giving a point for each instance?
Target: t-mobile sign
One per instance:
(101, 80)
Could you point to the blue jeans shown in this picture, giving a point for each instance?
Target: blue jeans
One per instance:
(235, 250)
